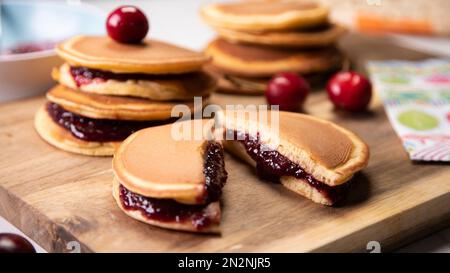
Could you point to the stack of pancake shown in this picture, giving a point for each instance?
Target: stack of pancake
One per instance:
(258, 39)
(109, 90)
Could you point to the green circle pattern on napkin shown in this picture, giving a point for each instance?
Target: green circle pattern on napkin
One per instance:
(418, 120)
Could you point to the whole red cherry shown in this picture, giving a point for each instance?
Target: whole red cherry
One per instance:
(127, 24)
(349, 91)
(13, 243)
(288, 90)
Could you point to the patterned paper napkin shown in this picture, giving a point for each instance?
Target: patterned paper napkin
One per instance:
(416, 97)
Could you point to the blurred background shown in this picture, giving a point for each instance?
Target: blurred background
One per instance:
(30, 28)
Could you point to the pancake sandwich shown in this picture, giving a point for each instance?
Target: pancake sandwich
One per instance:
(170, 183)
(108, 90)
(258, 39)
(310, 156)
(153, 69)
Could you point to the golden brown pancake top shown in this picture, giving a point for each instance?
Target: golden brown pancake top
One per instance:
(322, 140)
(151, 56)
(155, 162)
(264, 7)
(325, 143)
(153, 155)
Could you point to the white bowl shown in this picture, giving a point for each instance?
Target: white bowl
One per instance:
(28, 74)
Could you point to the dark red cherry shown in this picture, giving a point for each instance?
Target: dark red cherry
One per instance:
(288, 90)
(13, 243)
(349, 91)
(127, 24)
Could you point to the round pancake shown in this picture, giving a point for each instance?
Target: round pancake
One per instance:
(264, 15)
(164, 88)
(151, 56)
(213, 210)
(64, 140)
(257, 61)
(318, 37)
(113, 107)
(153, 163)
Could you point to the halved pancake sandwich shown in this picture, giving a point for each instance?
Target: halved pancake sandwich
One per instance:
(310, 156)
(171, 182)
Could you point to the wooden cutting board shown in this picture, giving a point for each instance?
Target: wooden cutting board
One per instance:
(56, 197)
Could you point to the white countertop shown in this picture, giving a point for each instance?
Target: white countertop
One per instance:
(176, 21)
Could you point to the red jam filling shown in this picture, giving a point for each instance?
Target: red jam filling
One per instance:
(164, 210)
(215, 173)
(83, 75)
(168, 210)
(99, 130)
(271, 165)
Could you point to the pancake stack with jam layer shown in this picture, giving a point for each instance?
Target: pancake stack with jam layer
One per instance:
(171, 183)
(108, 90)
(258, 39)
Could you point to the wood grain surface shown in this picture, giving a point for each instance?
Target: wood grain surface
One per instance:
(56, 197)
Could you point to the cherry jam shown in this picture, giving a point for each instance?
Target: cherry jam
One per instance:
(101, 130)
(215, 173)
(168, 210)
(83, 75)
(164, 210)
(271, 165)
